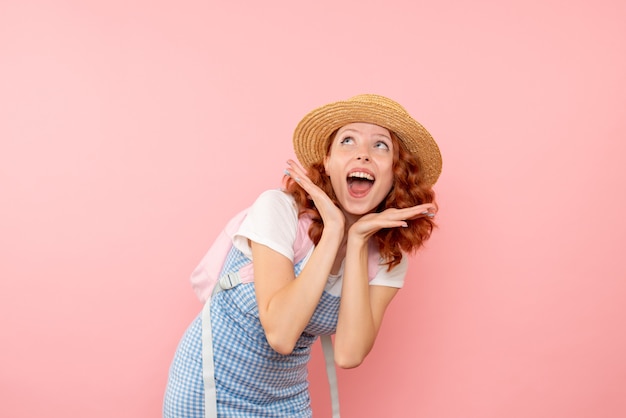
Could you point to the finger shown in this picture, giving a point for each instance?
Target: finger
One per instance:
(412, 212)
(300, 176)
(296, 168)
(424, 214)
(295, 171)
(369, 228)
(295, 164)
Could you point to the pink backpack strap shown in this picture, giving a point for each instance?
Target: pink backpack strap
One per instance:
(373, 261)
(301, 247)
(206, 274)
(303, 243)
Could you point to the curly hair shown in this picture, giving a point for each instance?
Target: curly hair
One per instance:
(408, 189)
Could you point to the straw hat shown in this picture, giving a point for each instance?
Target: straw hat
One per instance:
(309, 138)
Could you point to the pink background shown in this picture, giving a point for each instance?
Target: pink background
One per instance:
(131, 131)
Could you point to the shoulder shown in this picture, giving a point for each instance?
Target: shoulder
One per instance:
(273, 207)
(275, 199)
(272, 220)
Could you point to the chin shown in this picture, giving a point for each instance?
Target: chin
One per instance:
(359, 210)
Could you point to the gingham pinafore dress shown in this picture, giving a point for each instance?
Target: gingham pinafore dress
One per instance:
(252, 380)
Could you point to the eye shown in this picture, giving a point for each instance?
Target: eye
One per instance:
(347, 140)
(381, 145)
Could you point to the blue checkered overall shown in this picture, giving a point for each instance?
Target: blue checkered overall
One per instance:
(252, 380)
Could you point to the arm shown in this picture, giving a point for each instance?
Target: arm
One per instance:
(362, 305)
(286, 305)
(361, 311)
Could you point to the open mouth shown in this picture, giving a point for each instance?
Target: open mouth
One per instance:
(360, 183)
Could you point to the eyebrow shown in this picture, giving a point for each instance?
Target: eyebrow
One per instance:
(359, 132)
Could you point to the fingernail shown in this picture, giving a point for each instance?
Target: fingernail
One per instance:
(297, 179)
(286, 173)
(431, 215)
(425, 212)
(405, 225)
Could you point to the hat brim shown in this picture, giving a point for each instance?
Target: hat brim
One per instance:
(311, 134)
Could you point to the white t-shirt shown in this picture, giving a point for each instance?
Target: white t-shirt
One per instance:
(273, 221)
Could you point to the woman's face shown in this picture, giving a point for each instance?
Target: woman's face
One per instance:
(360, 166)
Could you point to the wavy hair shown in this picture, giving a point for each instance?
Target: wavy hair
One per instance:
(408, 189)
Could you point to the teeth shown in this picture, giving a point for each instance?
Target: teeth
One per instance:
(361, 175)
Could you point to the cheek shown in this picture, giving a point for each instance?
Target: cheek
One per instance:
(387, 184)
(336, 174)
(331, 166)
(387, 179)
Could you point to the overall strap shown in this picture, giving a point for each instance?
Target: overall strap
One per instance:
(329, 357)
(227, 281)
(302, 246)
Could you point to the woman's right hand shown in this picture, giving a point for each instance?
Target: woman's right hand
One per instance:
(332, 216)
(371, 223)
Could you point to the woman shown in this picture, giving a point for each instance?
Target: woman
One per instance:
(339, 232)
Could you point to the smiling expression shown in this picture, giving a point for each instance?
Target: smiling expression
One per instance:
(360, 166)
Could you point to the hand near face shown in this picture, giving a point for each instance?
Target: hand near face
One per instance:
(371, 223)
(331, 215)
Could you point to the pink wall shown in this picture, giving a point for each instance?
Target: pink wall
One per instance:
(130, 131)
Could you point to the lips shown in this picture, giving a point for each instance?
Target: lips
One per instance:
(360, 182)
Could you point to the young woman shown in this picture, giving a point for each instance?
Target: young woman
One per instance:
(325, 255)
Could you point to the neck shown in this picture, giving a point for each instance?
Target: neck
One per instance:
(350, 220)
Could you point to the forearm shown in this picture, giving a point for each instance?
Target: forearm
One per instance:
(356, 326)
(286, 311)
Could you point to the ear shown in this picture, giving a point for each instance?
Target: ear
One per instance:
(326, 164)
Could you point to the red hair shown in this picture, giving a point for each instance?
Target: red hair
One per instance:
(408, 189)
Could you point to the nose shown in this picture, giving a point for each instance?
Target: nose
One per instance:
(362, 154)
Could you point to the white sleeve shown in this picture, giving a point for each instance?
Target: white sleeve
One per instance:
(393, 278)
(272, 220)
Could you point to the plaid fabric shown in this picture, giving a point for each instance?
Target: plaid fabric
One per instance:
(184, 394)
(252, 379)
